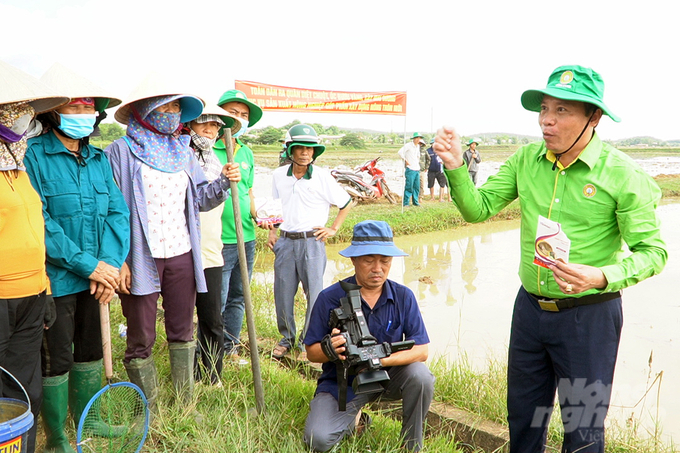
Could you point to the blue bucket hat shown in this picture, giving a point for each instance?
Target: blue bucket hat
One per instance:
(372, 237)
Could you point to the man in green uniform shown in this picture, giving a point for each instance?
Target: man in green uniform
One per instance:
(237, 104)
(581, 200)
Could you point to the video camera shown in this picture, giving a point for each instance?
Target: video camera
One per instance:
(362, 350)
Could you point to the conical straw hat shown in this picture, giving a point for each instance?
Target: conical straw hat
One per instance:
(232, 122)
(155, 85)
(65, 81)
(17, 86)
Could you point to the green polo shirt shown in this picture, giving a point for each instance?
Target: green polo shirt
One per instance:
(244, 157)
(603, 201)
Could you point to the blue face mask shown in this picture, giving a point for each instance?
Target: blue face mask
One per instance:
(165, 123)
(77, 126)
(244, 128)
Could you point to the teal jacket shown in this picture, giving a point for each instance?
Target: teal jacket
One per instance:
(86, 218)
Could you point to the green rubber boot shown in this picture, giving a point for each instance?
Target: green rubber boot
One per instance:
(142, 373)
(84, 381)
(182, 372)
(54, 411)
(182, 369)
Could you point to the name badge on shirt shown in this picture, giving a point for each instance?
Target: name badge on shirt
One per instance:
(551, 243)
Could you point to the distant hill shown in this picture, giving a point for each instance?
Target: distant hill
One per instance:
(644, 141)
(486, 138)
(510, 138)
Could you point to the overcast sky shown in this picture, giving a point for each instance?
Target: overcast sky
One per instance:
(463, 63)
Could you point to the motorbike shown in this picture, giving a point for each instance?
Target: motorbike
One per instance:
(360, 188)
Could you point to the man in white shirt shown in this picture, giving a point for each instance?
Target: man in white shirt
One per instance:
(306, 193)
(410, 154)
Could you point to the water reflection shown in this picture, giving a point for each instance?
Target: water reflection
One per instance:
(468, 268)
(466, 280)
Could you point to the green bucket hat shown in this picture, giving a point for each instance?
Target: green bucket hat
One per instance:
(240, 96)
(471, 141)
(416, 134)
(571, 83)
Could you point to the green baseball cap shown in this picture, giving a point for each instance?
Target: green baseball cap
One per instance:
(571, 83)
(240, 96)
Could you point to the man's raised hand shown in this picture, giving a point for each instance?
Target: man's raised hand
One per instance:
(447, 147)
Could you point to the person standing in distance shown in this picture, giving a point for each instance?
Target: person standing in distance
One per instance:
(435, 171)
(472, 159)
(410, 154)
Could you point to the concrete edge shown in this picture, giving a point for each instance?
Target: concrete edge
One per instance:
(471, 431)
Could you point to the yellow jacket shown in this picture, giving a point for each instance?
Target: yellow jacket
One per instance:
(22, 238)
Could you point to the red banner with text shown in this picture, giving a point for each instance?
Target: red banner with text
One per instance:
(287, 99)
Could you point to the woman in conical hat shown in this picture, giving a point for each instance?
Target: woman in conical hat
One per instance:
(164, 187)
(25, 307)
(87, 237)
(204, 132)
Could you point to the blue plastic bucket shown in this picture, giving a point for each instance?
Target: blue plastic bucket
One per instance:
(16, 419)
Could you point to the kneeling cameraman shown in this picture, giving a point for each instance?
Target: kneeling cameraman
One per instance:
(392, 315)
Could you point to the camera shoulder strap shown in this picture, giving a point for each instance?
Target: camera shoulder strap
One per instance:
(342, 371)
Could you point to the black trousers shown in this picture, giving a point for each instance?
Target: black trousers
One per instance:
(74, 337)
(210, 333)
(572, 353)
(21, 332)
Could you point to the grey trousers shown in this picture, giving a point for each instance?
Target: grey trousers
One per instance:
(413, 384)
(297, 261)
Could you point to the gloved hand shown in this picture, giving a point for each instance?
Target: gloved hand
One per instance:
(329, 349)
(50, 311)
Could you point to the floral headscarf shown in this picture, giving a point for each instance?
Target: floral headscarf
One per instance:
(12, 154)
(154, 136)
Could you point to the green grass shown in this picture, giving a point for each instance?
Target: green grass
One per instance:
(669, 184)
(232, 423)
(483, 393)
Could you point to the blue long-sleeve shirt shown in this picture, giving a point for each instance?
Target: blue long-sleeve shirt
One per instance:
(201, 196)
(86, 218)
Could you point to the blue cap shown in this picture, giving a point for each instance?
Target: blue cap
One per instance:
(372, 237)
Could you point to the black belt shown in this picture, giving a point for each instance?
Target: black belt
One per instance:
(571, 302)
(301, 235)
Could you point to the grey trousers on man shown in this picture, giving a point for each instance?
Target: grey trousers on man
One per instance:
(297, 260)
(413, 384)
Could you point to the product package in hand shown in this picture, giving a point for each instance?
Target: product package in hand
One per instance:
(551, 244)
(268, 209)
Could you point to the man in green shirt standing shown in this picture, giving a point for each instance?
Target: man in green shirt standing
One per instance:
(237, 104)
(581, 200)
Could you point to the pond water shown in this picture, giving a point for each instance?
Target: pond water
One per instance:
(394, 171)
(466, 280)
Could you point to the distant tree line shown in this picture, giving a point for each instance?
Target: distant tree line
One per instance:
(270, 135)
